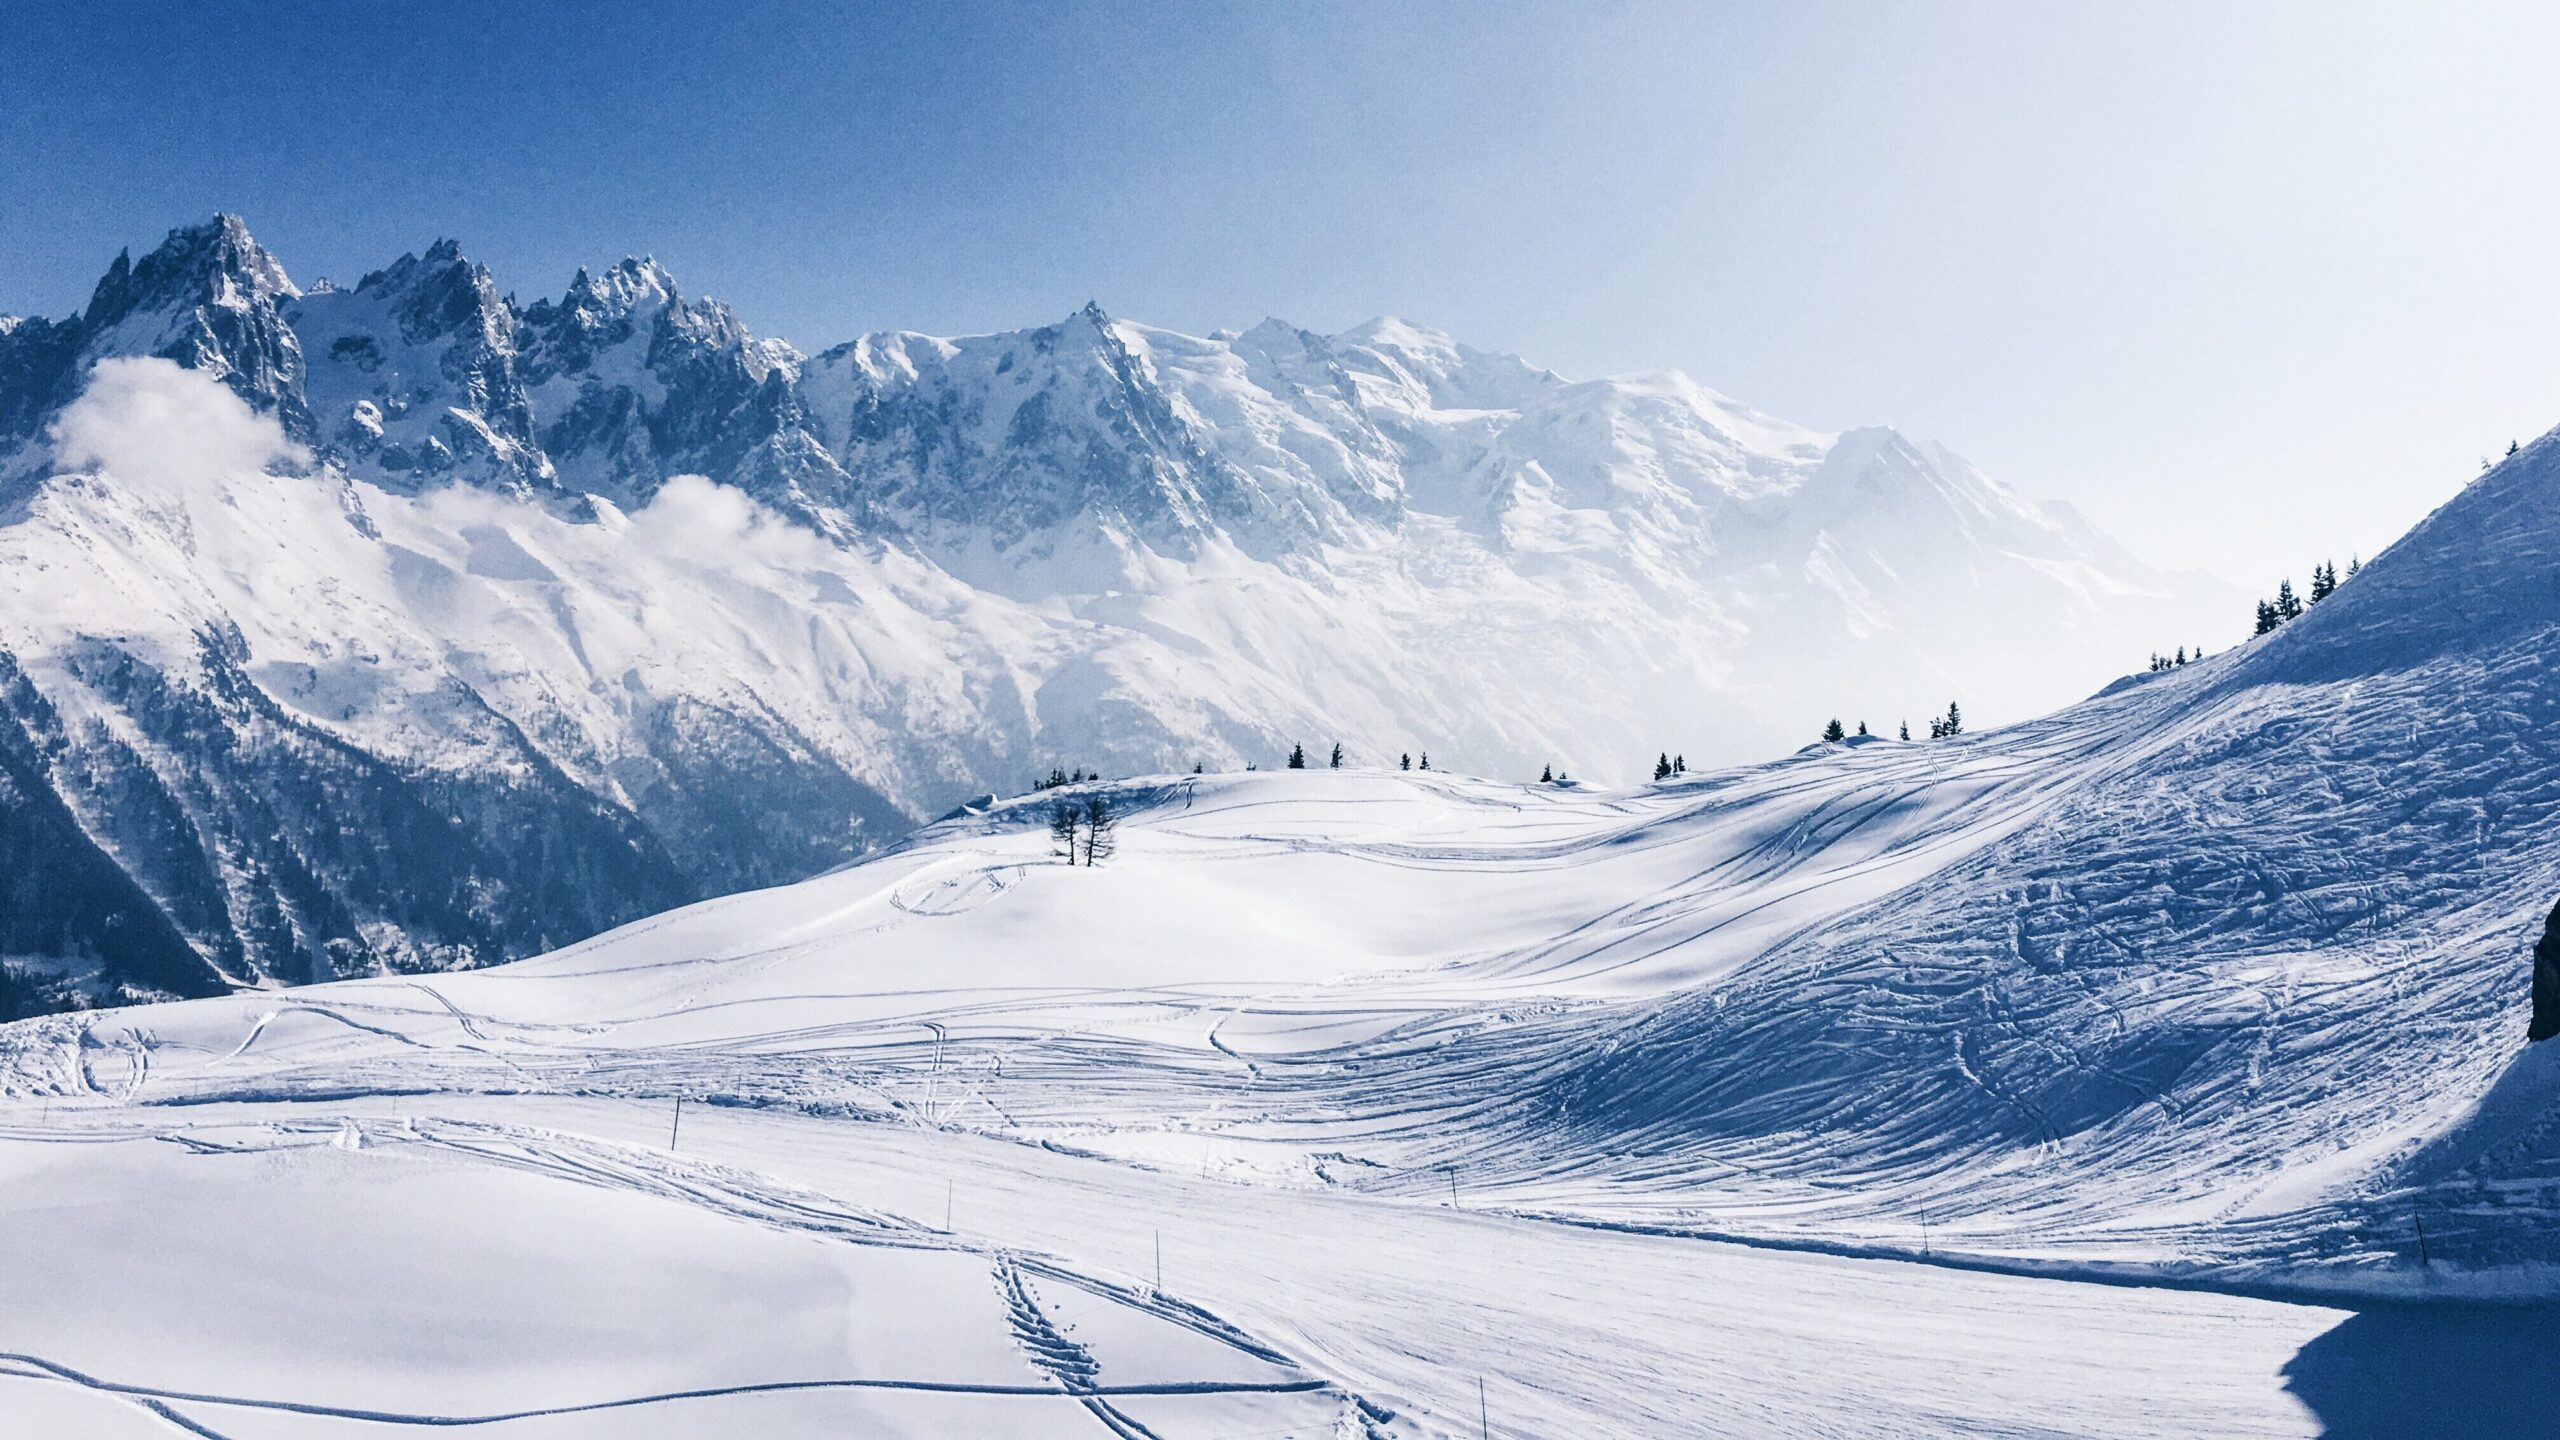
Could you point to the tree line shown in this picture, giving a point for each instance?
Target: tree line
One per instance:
(2287, 606)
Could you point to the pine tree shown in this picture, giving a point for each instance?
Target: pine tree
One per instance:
(2266, 618)
(2354, 564)
(1405, 761)
(2324, 580)
(1862, 729)
(1906, 729)
(1662, 766)
(1297, 757)
(1679, 764)
(1832, 732)
(1426, 760)
(1937, 728)
(1547, 775)
(2182, 656)
(2288, 604)
(2512, 448)
(1198, 768)
(1337, 754)
(1955, 719)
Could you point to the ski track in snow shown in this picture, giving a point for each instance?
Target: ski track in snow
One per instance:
(2067, 1003)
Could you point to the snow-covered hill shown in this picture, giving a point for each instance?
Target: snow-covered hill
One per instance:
(598, 605)
(1834, 1094)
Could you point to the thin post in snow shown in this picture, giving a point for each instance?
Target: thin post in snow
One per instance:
(2422, 1239)
(1159, 1260)
(933, 1081)
(950, 1192)
(1453, 1187)
(1924, 1237)
(676, 1124)
(1484, 1414)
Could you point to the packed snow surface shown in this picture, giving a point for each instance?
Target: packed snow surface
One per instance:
(2154, 1068)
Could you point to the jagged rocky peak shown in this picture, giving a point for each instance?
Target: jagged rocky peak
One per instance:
(206, 298)
(218, 262)
(632, 384)
(442, 292)
(413, 375)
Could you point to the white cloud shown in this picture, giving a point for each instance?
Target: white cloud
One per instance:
(153, 423)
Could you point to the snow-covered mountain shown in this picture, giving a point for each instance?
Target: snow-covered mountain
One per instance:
(1841, 1092)
(407, 626)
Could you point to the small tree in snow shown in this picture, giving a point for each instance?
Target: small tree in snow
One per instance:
(1081, 827)
(1337, 754)
(1101, 825)
(1546, 775)
(1297, 757)
(1832, 733)
(1662, 766)
(1405, 761)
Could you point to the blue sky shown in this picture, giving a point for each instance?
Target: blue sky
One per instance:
(2250, 284)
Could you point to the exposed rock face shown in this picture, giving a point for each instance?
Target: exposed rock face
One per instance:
(2546, 981)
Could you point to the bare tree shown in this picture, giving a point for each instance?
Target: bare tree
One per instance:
(1066, 820)
(1080, 829)
(1100, 821)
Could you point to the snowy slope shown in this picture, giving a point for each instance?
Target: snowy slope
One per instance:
(1803, 1098)
(602, 604)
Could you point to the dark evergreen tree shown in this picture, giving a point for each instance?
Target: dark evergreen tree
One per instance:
(1862, 728)
(1833, 733)
(1337, 754)
(1426, 760)
(1547, 775)
(2512, 448)
(2324, 581)
(1906, 729)
(1679, 764)
(2354, 564)
(2181, 658)
(2288, 604)
(2266, 618)
(1662, 766)
(1955, 719)
(1297, 757)
(1405, 761)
